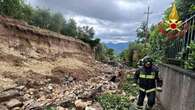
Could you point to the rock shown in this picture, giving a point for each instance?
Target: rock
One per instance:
(61, 108)
(31, 91)
(90, 108)
(48, 80)
(16, 108)
(42, 82)
(85, 95)
(27, 96)
(91, 94)
(123, 93)
(95, 106)
(50, 87)
(107, 70)
(27, 103)
(32, 105)
(14, 103)
(42, 98)
(70, 79)
(132, 98)
(72, 96)
(66, 103)
(7, 95)
(79, 104)
(20, 87)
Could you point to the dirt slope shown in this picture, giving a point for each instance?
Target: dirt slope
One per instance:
(26, 48)
(40, 67)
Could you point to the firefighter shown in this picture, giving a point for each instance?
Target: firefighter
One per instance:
(149, 82)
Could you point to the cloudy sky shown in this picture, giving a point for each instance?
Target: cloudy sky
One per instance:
(115, 21)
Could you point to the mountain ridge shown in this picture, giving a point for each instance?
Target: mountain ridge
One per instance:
(118, 47)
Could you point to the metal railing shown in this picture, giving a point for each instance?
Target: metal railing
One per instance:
(178, 52)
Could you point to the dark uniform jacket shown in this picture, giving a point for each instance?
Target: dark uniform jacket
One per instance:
(148, 79)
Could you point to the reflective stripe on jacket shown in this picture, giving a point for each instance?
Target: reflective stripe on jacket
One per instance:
(147, 78)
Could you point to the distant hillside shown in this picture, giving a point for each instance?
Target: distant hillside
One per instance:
(118, 48)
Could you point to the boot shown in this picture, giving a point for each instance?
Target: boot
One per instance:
(148, 107)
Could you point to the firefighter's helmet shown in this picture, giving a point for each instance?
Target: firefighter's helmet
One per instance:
(147, 60)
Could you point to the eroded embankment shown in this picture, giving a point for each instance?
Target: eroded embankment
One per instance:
(40, 68)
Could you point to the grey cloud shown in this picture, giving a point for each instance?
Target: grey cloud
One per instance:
(101, 9)
(113, 20)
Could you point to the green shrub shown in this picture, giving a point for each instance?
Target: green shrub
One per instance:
(129, 89)
(50, 108)
(190, 62)
(114, 102)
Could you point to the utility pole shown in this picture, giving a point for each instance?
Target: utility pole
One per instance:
(147, 23)
(147, 19)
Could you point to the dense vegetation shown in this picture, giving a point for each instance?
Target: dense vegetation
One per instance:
(155, 40)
